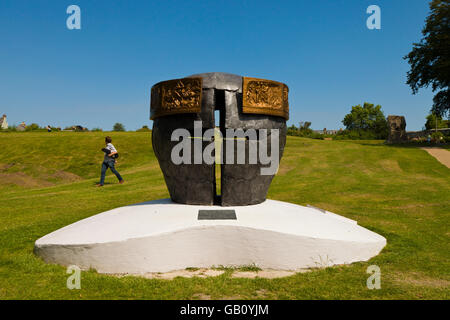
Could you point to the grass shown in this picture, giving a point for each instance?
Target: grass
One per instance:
(47, 182)
(245, 268)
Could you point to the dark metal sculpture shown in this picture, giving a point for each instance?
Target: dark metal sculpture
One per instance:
(243, 103)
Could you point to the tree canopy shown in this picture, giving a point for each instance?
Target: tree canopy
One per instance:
(430, 58)
(118, 127)
(435, 122)
(367, 118)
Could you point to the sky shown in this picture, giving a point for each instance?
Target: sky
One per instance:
(102, 73)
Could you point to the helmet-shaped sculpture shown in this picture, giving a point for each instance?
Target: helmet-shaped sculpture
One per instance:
(242, 103)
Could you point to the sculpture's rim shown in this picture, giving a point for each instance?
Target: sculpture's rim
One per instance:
(219, 80)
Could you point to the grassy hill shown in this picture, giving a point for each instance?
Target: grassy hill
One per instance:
(47, 181)
(46, 159)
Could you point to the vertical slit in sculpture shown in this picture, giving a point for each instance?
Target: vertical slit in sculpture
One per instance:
(219, 115)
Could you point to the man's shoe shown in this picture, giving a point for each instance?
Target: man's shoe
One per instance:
(121, 181)
(99, 185)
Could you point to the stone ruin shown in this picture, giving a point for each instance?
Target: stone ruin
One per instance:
(396, 129)
(22, 126)
(3, 122)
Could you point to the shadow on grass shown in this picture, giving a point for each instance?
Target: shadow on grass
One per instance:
(105, 184)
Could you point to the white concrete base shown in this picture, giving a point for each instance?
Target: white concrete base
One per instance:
(161, 236)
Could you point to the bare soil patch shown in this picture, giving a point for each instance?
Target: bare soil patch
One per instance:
(267, 274)
(283, 169)
(66, 176)
(200, 273)
(206, 273)
(390, 165)
(5, 166)
(23, 180)
(420, 280)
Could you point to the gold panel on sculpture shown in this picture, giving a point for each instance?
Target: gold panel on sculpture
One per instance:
(262, 96)
(176, 96)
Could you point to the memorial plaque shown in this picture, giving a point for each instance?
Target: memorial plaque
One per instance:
(216, 215)
(262, 96)
(176, 96)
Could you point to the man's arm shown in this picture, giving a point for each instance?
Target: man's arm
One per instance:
(112, 149)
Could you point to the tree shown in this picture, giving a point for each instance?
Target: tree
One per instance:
(433, 121)
(303, 130)
(368, 118)
(119, 127)
(32, 127)
(305, 126)
(430, 59)
(144, 129)
(292, 131)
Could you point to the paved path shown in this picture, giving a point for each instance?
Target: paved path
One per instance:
(442, 155)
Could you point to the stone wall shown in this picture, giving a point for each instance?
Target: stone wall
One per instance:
(425, 133)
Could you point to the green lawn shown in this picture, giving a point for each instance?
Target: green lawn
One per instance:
(47, 182)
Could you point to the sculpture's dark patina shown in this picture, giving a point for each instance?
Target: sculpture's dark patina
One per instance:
(243, 103)
(396, 129)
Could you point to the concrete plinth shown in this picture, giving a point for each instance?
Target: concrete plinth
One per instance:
(161, 236)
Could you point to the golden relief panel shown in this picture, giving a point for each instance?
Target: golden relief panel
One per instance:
(262, 96)
(176, 96)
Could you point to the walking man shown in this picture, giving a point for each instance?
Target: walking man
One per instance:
(109, 161)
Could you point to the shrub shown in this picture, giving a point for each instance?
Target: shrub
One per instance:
(446, 139)
(118, 127)
(76, 128)
(292, 131)
(433, 120)
(12, 128)
(356, 135)
(315, 135)
(303, 130)
(144, 129)
(437, 137)
(33, 127)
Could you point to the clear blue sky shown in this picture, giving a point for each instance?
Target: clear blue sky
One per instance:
(102, 74)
